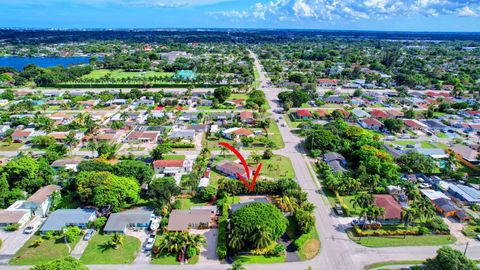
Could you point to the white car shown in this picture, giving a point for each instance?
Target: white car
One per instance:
(150, 242)
(32, 227)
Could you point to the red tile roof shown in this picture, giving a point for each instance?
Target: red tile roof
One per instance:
(393, 210)
(379, 114)
(373, 122)
(322, 112)
(246, 115)
(243, 132)
(304, 113)
(167, 163)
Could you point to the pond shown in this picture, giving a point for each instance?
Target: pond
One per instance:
(19, 62)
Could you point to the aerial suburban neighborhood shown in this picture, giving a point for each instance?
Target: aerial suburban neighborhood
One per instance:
(239, 149)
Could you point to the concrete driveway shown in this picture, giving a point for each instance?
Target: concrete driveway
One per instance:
(12, 242)
(143, 256)
(208, 255)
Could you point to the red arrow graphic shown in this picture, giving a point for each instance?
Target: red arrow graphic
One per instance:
(245, 167)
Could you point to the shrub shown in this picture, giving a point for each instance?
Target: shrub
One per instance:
(300, 241)
(12, 227)
(437, 225)
(423, 230)
(48, 235)
(279, 250)
(476, 207)
(191, 251)
(222, 233)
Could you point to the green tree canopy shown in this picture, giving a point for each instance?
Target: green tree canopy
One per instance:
(222, 93)
(258, 220)
(103, 188)
(134, 168)
(414, 162)
(160, 190)
(27, 173)
(450, 259)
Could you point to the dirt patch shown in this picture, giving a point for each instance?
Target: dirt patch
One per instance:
(311, 248)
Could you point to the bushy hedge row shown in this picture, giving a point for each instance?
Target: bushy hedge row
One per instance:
(182, 145)
(135, 85)
(222, 233)
(300, 241)
(345, 208)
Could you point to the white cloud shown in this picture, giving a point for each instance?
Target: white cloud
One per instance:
(467, 12)
(330, 10)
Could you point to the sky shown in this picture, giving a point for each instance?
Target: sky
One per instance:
(390, 15)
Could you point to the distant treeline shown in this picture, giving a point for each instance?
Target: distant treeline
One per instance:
(136, 85)
(22, 36)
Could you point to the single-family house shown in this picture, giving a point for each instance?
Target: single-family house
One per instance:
(131, 219)
(183, 220)
(466, 153)
(233, 133)
(393, 209)
(466, 194)
(22, 135)
(67, 163)
(39, 203)
(247, 117)
(413, 124)
(184, 134)
(335, 161)
(205, 102)
(172, 167)
(371, 123)
(379, 114)
(15, 214)
(60, 137)
(435, 153)
(445, 207)
(262, 199)
(392, 113)
(68, 217)
(143, 137)
(304, 114)
(328, 83)
(232, 169)
(359, 113)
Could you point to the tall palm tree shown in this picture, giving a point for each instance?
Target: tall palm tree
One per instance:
(409, 215)
(362, 200)
(262, 237)
(70, 141)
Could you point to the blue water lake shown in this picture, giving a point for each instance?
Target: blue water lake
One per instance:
(19, 62)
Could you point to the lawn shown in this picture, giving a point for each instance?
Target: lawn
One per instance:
(252, 259)
(187, 203)
(276, 167)
(166, 259)
(409, 240)
(51, 249)
(10, 147)
(119, 74)
(441, 135)
(471, 230)
(99, 252)
(214, 175)
(382, 264)
(174, 157)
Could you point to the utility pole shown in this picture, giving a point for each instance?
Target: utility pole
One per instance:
(466, 247)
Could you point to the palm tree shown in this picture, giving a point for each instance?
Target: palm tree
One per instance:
(236, 242)
(116, 240)
(262, 237)
(196, 241)
(362, 200)
(70, 141)
(409, 215)
(92, 145)
(287, 204)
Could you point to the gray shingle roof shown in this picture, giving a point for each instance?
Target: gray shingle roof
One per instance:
(63, 217)
(119, 221)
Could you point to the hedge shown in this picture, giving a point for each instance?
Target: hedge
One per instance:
(222, 233)
(136, 85)
(345, 208)
(182, 145)
(300, 241)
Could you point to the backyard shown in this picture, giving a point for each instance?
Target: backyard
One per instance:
(100, 252)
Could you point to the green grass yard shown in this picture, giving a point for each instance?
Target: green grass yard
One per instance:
(99, 252)
(120, 74)
(277, 167)
(252, 259)
(186, 204)
(10, 147)
(397, 241)
(174, 157)
(54, 248)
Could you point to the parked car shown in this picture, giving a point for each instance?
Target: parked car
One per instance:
(357, 222)
(150, 242)
(32, 227)
(478, 237)
(338, 209)
(88, 234)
